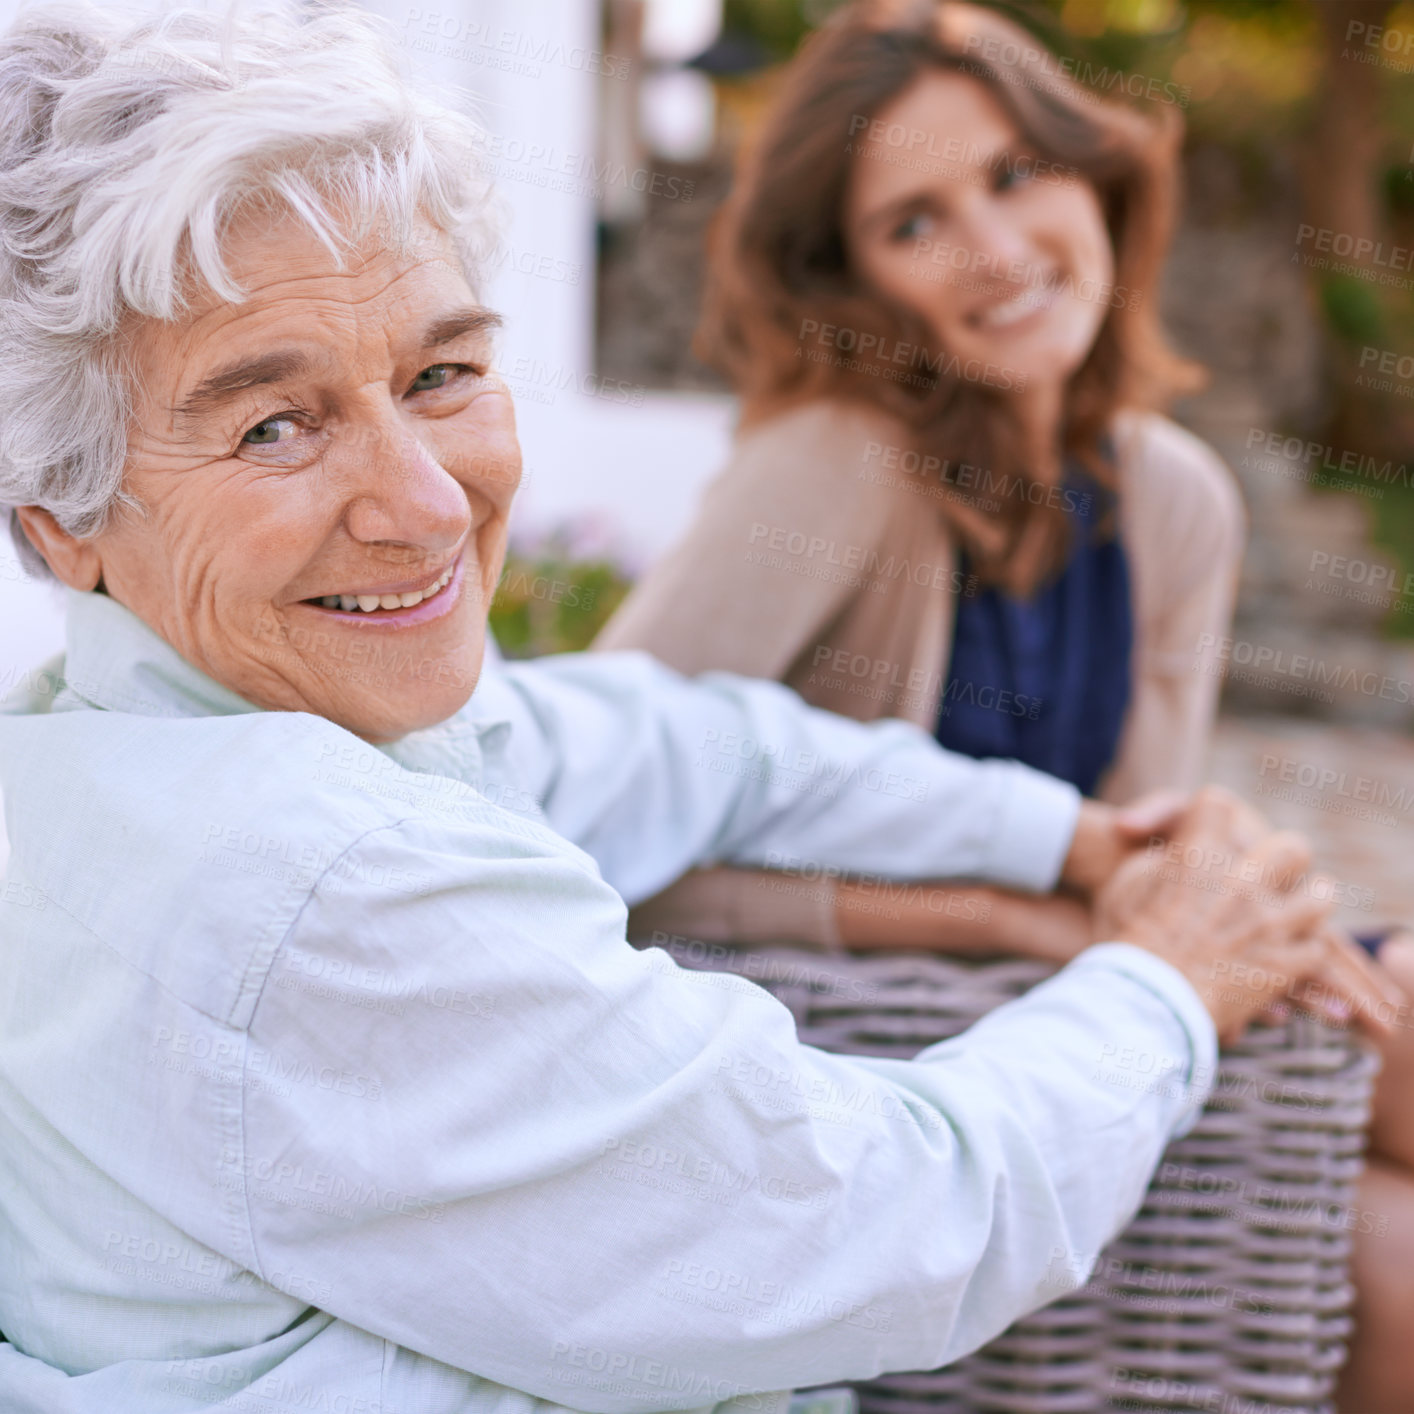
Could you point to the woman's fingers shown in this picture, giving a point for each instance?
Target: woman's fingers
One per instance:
(1283, 860)
(1219, 827)
(1348, 984)
(1157, 813)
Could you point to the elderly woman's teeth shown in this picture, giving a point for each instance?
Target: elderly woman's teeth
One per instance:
(372, 603)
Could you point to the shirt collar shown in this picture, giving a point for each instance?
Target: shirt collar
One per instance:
(116, 662)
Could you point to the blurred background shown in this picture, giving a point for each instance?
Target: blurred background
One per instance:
(614, 126)
(1299, 114)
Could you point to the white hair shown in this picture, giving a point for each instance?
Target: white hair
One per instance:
(128, 142)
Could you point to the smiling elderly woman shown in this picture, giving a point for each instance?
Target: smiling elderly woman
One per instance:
(327, 1076)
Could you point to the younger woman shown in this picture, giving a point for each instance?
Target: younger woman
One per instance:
(953, 497)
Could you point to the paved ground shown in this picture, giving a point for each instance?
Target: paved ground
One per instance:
(1351, 790)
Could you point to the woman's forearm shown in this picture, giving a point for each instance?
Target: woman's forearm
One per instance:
(973, 919)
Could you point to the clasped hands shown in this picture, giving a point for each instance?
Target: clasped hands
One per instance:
(1205, 883)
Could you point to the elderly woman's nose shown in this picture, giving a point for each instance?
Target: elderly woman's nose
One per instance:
(398, 490)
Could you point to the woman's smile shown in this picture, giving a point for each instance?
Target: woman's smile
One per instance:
(1018, 311)
(403, 605)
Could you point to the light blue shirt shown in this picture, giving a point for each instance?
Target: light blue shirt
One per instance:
(328, 1080)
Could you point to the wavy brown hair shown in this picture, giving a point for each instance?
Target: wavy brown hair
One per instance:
(778, 259)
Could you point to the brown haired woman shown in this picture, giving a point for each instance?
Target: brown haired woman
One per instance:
(951, 499)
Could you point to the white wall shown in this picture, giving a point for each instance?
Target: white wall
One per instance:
(635, 461)
(632, 459)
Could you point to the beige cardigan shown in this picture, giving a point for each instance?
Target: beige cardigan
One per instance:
(816, 560)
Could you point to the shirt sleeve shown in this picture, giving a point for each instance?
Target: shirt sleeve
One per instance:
(654, 774)
(492, 1132)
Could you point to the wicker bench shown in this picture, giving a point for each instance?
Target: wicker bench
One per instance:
(1229, 1291)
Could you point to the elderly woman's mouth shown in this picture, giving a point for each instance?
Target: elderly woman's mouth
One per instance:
(398, 603)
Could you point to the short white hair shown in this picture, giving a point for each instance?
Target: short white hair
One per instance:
(128, 140)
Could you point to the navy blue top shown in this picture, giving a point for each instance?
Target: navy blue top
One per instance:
(1046, 680)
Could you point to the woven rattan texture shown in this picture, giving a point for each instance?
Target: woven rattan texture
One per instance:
(1230, 1289)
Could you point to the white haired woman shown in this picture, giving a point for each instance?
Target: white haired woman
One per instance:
(327, 1076)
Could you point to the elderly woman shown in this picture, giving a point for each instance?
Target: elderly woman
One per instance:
(327, 1076)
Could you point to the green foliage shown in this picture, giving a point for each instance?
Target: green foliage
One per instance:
(779, 25)
(1352, 308)
(1393, 527)
(1399, 189)
(549, 602)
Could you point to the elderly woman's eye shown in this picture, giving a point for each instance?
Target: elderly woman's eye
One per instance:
(438, 376)
(270, 432)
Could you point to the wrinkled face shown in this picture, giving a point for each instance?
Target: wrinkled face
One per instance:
(326, 470)
(1004, 253)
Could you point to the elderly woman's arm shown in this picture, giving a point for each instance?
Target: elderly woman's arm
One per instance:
(653, 773)
(566, 1122)
(717, 599)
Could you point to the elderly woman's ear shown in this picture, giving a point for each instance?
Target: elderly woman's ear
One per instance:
(76, 562)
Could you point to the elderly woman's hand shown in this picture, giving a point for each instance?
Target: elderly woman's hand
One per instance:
(1107, 835)
(1234, 907)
